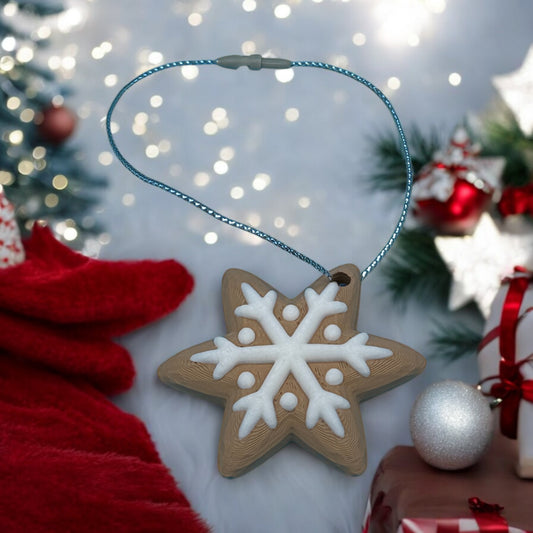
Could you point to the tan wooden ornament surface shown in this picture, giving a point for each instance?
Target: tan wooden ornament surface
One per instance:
(292, 370)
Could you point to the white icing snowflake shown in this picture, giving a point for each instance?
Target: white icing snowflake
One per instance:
(290, 354)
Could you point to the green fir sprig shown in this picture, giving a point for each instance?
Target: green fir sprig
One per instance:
(504, 138)
(454, 340)
(414, 269)
(388, 165)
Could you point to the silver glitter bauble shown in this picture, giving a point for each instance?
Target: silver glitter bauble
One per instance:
(451, 425)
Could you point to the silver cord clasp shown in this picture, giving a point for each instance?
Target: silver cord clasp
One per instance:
(253, 62)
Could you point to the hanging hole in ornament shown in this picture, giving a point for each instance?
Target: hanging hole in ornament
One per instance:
(341, 278)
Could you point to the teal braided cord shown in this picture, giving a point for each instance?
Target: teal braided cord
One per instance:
(235, 223)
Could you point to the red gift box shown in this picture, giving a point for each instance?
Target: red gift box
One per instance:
(409, 496)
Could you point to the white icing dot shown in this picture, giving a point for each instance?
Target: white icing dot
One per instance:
(246, 336)
(246, 380)
(334, 376)
(332, 332)
(290, 312)
(288, 401)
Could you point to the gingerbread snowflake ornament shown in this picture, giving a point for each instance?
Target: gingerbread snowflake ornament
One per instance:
(292, 370)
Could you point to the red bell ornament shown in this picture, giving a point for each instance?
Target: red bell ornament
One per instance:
(452, 191)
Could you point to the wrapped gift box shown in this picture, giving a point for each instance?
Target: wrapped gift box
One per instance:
(408, 495)
(506, 363)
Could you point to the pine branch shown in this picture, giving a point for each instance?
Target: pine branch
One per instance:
(506, 139)
(455, 340)
(387, 157)
(414, 269)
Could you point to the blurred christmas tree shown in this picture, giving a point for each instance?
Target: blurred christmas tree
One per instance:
(41, 173)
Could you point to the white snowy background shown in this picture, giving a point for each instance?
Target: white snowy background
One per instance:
(315, 200)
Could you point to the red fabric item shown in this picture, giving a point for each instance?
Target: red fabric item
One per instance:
(71, 460)
(60, 308)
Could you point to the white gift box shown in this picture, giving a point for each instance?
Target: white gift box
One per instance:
(489, 364)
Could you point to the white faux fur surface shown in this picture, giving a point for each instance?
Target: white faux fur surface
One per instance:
(321, 156)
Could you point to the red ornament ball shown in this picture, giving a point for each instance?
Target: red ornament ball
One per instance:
(55, 124)
(456, 216)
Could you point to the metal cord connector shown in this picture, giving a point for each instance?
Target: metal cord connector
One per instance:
(253, 62)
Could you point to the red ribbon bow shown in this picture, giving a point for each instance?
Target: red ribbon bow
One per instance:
(488, 516)
(511, 387)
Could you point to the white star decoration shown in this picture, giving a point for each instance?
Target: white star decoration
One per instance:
(516, 90)
(479, 262)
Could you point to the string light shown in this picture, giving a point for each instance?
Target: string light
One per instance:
(152, 151)
(220, 167)
(114, 127)
(293, 230)
(218, 114)
(253, 219)
(359, 39)
(285, 75)
(261, 181)
(13, 102)
(282, 11)
(6, 178)
(156, 100)
(39, 152)
(454, 79)
(292, 114)
(59, 182)
(16, 137)
(6, 63)
(210, 128)
(51, 200)
(248, 47)
(44, 32)
(10, 9)
(104, 238)
(9, 43)
(27, 115)
(155, 58)
(195, 19)
(403, 21)
(128, 199)
(110, 80)
(236, 193)
(189, 72)
(164, 146)
(105, 158)
(227, 153)
(279, 222)
(69, 19)
(304, 202)
(210, 237)
(201, 179)
(70, 234)
(393, 83)
(58, 100)
(249, 5)
(25, 167)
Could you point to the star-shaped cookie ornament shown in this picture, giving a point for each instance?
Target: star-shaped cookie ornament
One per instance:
(292, 370)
